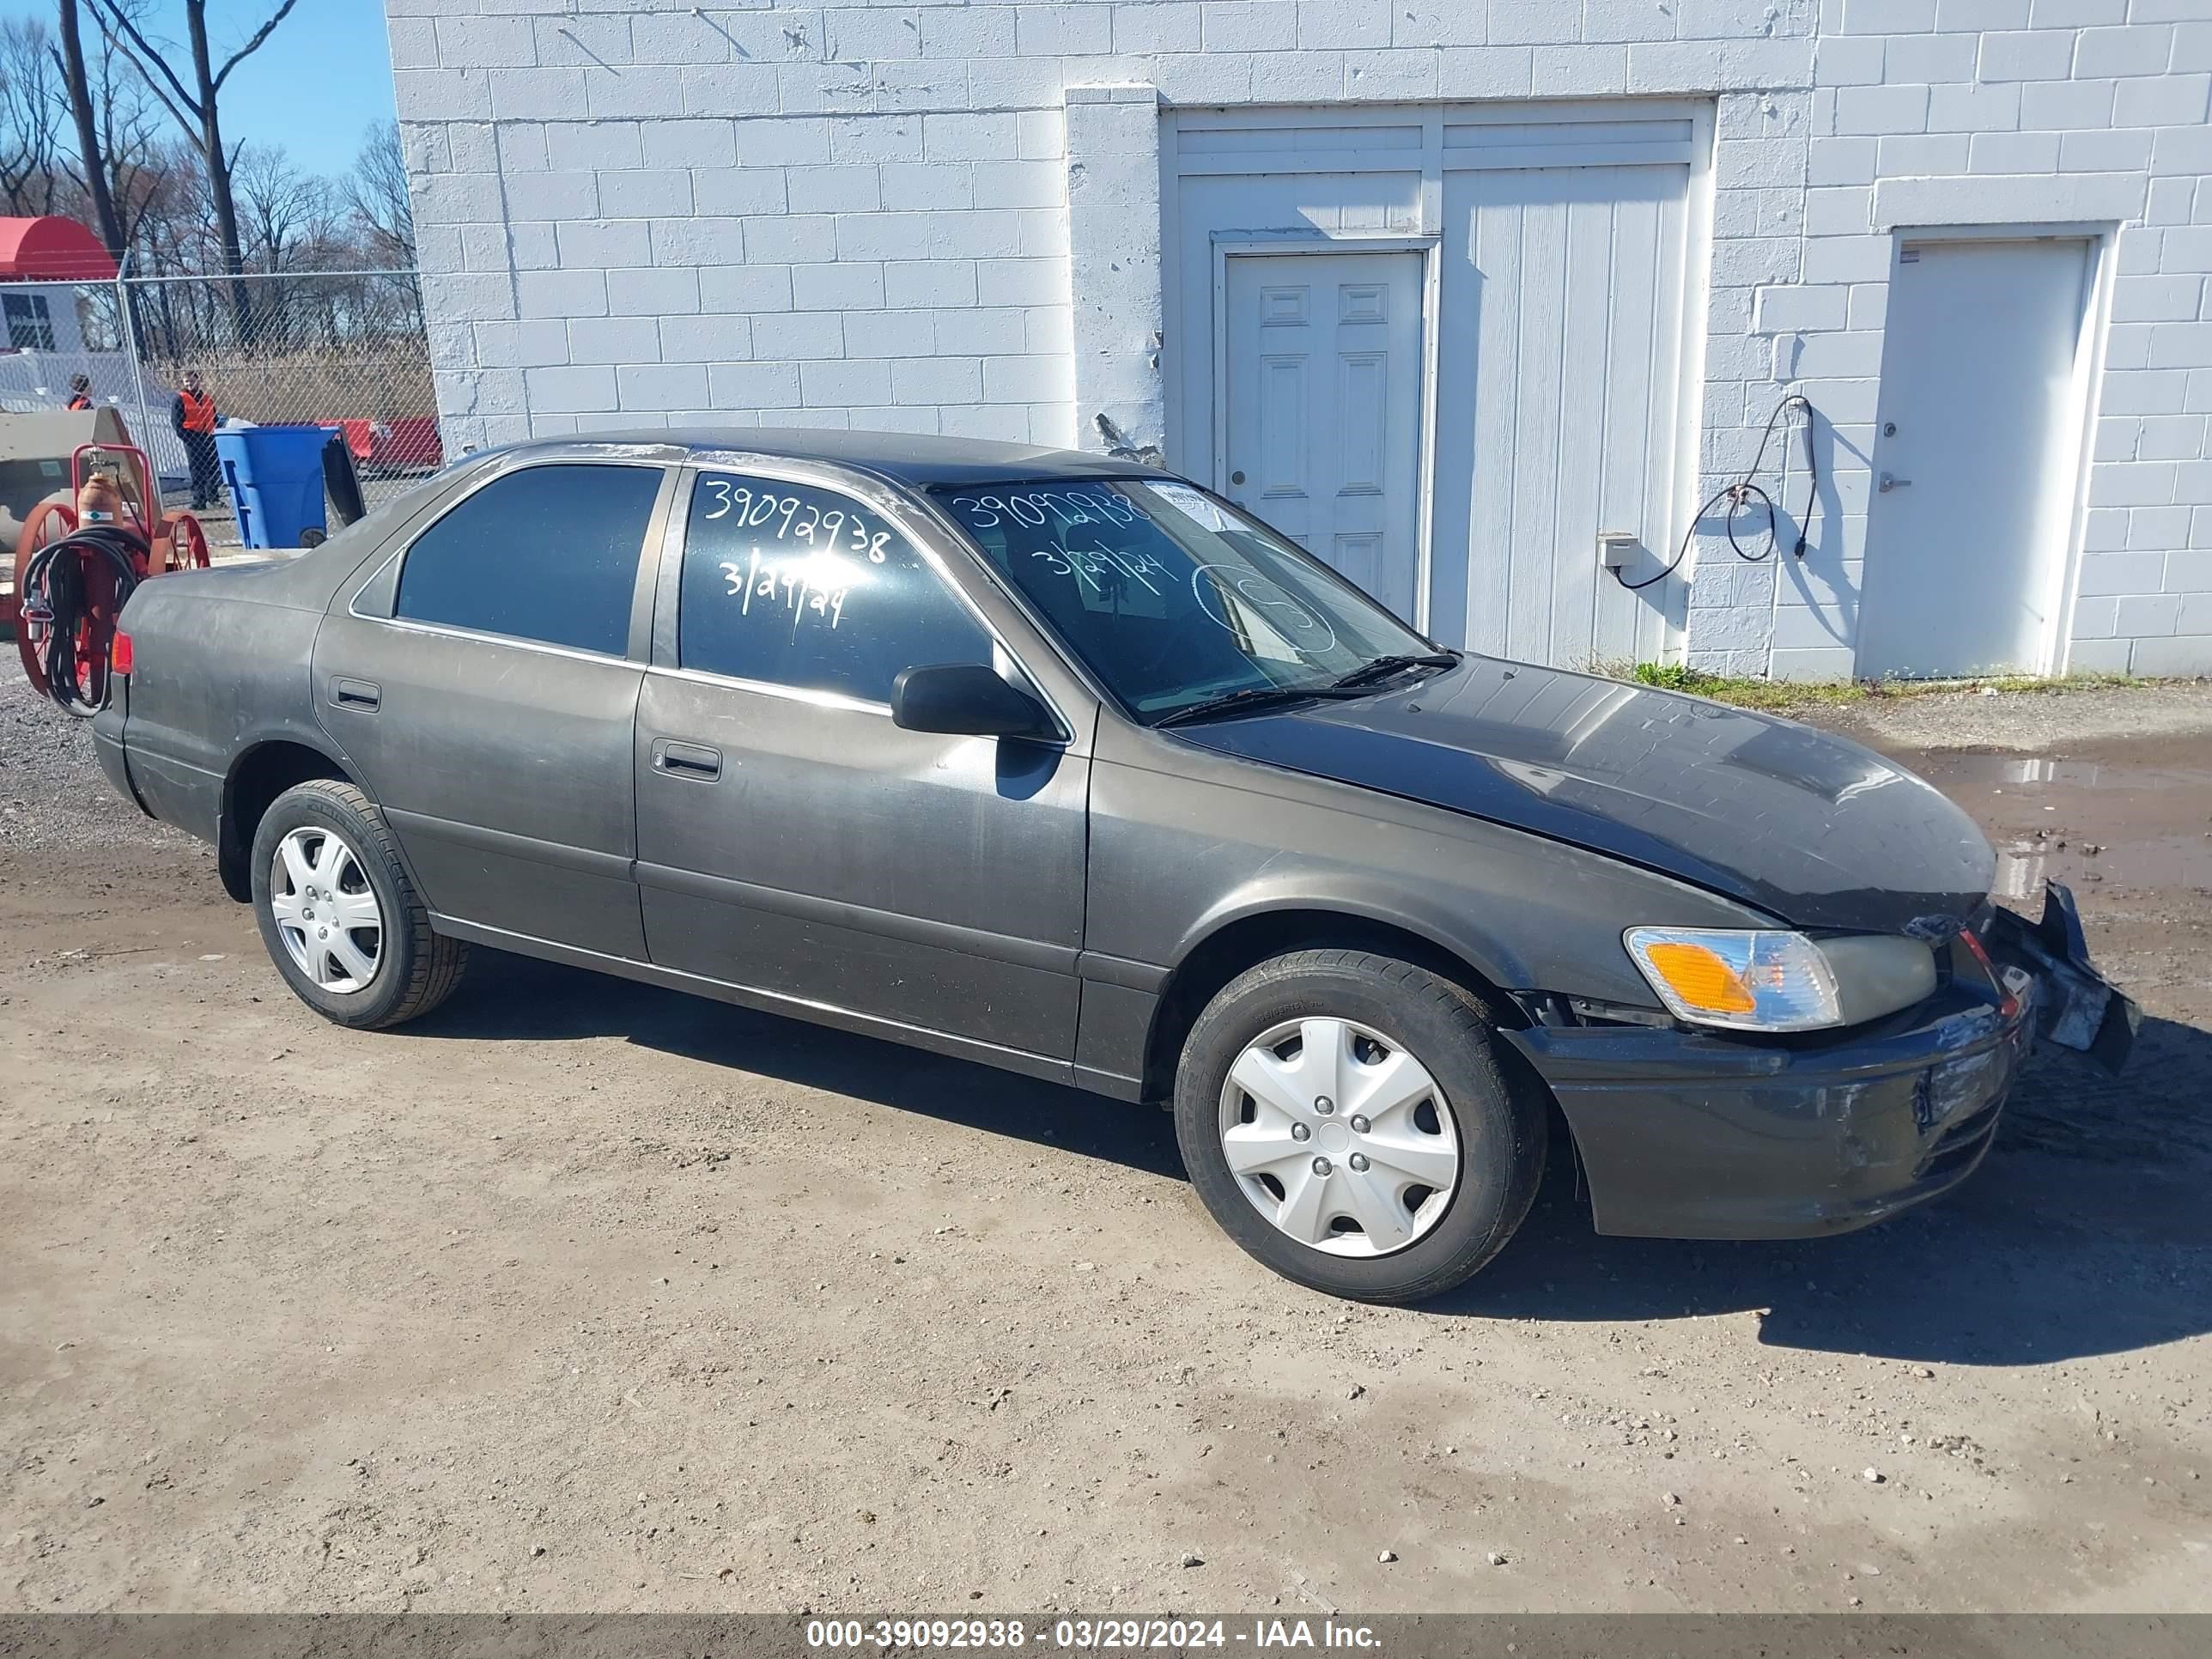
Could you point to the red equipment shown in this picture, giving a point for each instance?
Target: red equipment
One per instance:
(173, 541)
(409, 440)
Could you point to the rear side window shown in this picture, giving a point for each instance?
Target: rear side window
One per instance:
(547, 553)
(792, 584)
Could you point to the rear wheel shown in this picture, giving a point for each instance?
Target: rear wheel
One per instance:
(342, 922)
(1344, 1117)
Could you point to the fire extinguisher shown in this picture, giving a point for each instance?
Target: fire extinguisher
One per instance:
(99, 502)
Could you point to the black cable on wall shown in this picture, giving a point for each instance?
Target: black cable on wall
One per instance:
(1743, 493)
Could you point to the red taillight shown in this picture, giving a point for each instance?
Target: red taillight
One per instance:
(119, 660)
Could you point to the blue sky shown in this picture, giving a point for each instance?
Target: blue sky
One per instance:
(315, 84)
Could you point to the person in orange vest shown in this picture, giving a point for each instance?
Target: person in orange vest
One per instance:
(80, 391)
(192, 412)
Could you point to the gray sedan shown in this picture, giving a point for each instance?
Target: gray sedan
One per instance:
(1065, 765)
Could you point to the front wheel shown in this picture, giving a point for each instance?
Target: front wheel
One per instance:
(1344, 1117)
(341, 919)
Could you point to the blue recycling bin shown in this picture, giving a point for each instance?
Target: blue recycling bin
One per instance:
(275, 475)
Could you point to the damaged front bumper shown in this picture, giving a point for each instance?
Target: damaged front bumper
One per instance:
(2076, 1009)
(1697, 1134)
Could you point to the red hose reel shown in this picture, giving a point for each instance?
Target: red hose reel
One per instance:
(170, 541)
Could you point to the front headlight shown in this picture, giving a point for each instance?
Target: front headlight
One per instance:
(1762, 979)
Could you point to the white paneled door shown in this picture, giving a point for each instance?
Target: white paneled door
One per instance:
(1323, 435)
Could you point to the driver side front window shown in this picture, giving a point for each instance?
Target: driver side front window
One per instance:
(793, 584)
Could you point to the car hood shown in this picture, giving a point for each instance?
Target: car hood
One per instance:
(1814, 830)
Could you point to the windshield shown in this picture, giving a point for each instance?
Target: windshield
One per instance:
(1172, 597)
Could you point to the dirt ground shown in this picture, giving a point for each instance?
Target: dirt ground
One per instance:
(585, 1296)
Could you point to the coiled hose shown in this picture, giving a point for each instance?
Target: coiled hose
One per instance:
(58, 592)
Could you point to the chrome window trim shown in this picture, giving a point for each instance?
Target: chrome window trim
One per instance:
(395, 562)
(837, 700)
(888, 501)
(771, 688)
(544, 648)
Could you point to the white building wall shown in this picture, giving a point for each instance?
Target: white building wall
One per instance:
(851, 214)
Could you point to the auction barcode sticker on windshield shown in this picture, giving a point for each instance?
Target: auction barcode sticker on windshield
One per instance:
(1191, 504)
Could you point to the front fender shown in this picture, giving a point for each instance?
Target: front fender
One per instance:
(1358, 896)
(1184, 842)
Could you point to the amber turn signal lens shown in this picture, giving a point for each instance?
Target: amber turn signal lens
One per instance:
(1744, 979)
(1700, 978)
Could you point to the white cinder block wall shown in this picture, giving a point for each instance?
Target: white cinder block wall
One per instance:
(855, 214)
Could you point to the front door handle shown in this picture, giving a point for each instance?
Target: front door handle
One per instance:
(356, 694)
(1890, 481)
(687, 760)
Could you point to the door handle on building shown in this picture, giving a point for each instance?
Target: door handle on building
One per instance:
(1890, 481)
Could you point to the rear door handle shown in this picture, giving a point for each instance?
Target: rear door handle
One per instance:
(356, 694)
(686, 760)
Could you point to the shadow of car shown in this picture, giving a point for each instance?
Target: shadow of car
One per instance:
(2086, 1232)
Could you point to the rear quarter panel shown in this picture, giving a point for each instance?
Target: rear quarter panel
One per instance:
(215, 673)
(223, 659)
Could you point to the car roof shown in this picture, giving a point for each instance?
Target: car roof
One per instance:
(918, 460)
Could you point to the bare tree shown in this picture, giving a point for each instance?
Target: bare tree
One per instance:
(30, 108)
(285, 215)
(294, 222)
(311, 271)
(196, 107)
(91, 157)
(376, 192)
(116, 154)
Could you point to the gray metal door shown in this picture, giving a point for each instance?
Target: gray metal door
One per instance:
(485, 688)
(504, 771)
(792, 839)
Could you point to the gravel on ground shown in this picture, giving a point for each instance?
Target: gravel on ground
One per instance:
(580, 1295)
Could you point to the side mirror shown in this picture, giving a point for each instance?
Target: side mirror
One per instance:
(966, 699)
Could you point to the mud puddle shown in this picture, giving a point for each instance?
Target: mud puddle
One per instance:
(2138, 815)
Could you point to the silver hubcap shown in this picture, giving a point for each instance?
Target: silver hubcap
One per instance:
(1339, 1137)
(325, 911)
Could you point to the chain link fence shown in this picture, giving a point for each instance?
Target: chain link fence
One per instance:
(343, 349)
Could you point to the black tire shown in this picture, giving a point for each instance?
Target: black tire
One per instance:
(417, 968)
(1502, 1128)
